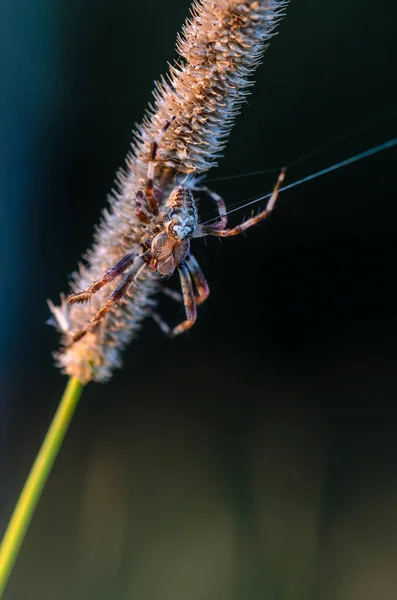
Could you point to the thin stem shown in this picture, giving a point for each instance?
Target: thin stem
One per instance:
(36, 480)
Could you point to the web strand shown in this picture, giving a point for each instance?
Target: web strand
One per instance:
(344, 163)
(378, 118)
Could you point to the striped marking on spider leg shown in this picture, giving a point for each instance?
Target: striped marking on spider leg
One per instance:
(149, 190)
(189, 303)
(220, 204)
(202, 290)
(109, 276)
(253, 220)
(139, 211)
(200, 283)
(150, 197)
(120, 291)
(202, 230)
(115, 297)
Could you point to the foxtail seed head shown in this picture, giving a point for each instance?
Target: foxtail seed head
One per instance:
(220, 46)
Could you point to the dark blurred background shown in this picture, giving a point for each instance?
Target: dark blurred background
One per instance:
(256, 456)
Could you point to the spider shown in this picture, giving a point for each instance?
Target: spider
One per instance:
(165, 246)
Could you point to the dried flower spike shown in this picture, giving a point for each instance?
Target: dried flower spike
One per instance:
(145, 233)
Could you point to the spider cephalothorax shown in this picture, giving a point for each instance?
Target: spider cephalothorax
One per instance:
(165, 246)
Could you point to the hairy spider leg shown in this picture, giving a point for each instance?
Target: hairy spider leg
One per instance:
(114, 298)
(110, 275)
(200, 283)
(139, 210)
(220, 204)
(213, 230)
(149, 190)
(202, 288)
(189, 303)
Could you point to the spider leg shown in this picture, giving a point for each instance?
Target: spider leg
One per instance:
(220, 204)
(109, 276)
(189, 302)
(139, 211)
(149, 190)
(213, 230)
(200, 283)
(114, 298)
(202, 289)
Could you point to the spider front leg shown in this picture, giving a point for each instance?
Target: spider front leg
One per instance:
(114, 298)
(201, 230)
(214, 229)
(110, 275)
(189, 302)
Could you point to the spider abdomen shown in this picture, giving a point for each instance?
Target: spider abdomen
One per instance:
(180, 218)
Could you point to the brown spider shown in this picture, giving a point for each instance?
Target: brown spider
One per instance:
(165, 246)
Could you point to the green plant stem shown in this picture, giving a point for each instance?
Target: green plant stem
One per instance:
(36, 480)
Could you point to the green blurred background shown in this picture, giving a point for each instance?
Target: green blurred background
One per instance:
(255, 457)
